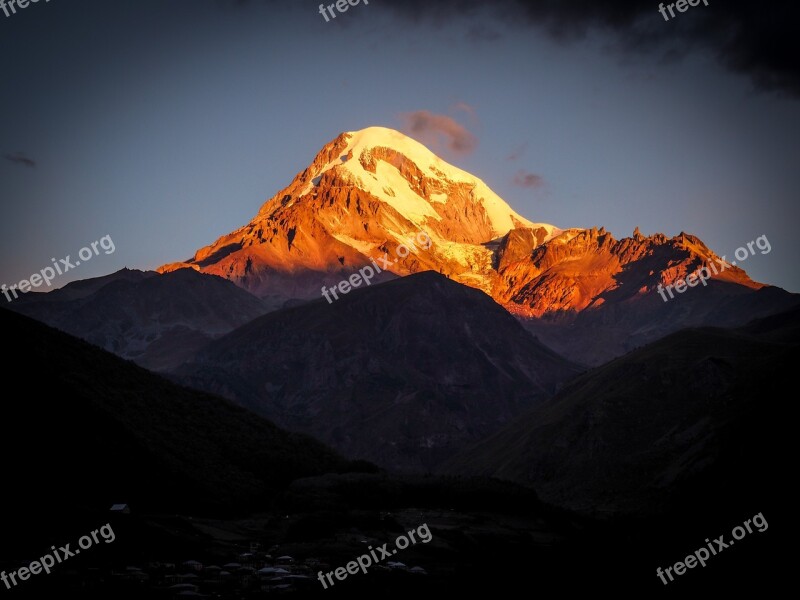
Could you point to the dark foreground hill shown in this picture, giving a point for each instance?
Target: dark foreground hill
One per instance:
(84, 428)
(156, 320)
(701, 418)
(402, 374)
(89, 429)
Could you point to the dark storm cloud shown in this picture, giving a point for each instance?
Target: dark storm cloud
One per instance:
(18, 158)
(757, 39)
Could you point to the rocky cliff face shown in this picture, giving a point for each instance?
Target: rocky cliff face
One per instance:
(576, 271)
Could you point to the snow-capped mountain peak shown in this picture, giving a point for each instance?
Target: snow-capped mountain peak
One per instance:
(407, 176)
(363, 195)
(367, 192)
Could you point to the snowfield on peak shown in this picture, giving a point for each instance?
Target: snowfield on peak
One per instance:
(389, 185)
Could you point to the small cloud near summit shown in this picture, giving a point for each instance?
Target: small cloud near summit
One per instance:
(19, 158)
(528, 180)
(434, 130)
(517, 152)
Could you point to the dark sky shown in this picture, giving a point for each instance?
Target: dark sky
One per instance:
(165, 124)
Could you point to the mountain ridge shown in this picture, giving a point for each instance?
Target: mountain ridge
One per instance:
(109, 431)
(158, 320)
(368, 191)
(423, 363)
(661, 425)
